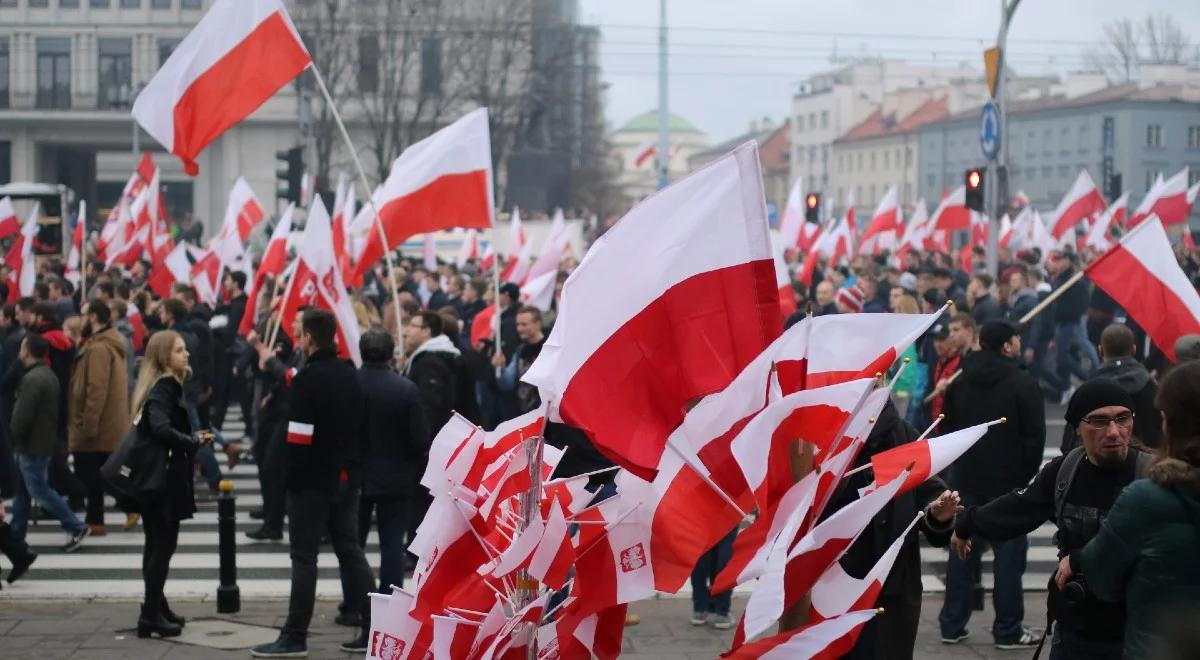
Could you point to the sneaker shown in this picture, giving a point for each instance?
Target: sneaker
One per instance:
(20, 566)
(77, 539)
(954, 639)
(356, 645)
(699, 618)
(284, 647)
(1027, 640)
(722, 622)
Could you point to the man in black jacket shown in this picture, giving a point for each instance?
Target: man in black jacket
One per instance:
(195, 322)
(226, 341)
(1070, 332)
(323, 481)
(510, 302)
(396, 439)
(1116, 351)
(435, 365)
(993, 385)
(984, 306)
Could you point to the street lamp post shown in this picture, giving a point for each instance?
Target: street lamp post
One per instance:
(994, 196)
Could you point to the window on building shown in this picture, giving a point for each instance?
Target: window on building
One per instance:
(1193, 137)
(68, 4)
(1064, 171)
(1193, 174)
(812, 119)
(812, 154)
(1153, 135)
(368, 63)
(191, 4)
(39, 3)
(1083, 139)
(887, 160)
(932, 179)
(1064, 140)
(872, 161)
(1151, 176)
(129, 4)
(5, 162)
(907, 156)
(799, 123)
(858, 163)
(54, 72)
(160, 4)
(1047, 142)
(907, 193)
(1030, 143)
(3, 72)
(99, 4)
(431, 65)
(8, 3)
(824, 119)
(116, 73)
(1046, 172)
(166, 46)
(871, 199)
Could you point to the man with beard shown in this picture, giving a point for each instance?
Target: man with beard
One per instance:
(1075, 491)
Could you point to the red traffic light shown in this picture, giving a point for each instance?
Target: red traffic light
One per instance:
(811, 200)
(974, 179)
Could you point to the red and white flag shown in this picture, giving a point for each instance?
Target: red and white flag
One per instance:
(519, 251)
(837, 242)
(539, 291)
(271, 266)
(927, 457)
(837, 593)
(1141, 274)
(483, 326)
(1168, 200)
(441, 182)
(469, 249)
(21, 264)
(236, 58)
(452, 638)
(627, 354)
(556, 244)
(1099, 237)
(827, 640)
(74, 270)
(242, 214)
(318, 282)
(791, 225)
(916, 230)
(343, 215)
(1080, 203)
(886, 225)
(1005, 233)
(952, 213)
(613, 560)
(174, 267)
(9, 223)
(783, 280)
(552, 559)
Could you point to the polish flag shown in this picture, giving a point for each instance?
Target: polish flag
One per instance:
(838, 242)
(557, 242)
(928, 457)
(452, 557)
(519, 251)
(21, 264)
(552, 559)
(204, 276)
(1040, 237)
(441, 182)
(488, 261)
(1005, 233)
(952, 213)
(826, 640)
(271, 266)
(174, 267)
(343, 214)
(1080, 202)
(915, 231)
(483, 326)
(318, 282)
(644, 152)
(469, 248)
(596, 635)
(1099, 236)
(517, 555)
(882, 233)
(75, 256)
(1141, 274)
(539, 291)
(837, 593)
(783, 280)
(1167, 200)
(452, 637)
(627, 354)
(236, 58)
(613, 560)
(9, 223)
(791, 225)
(851, 218)
(242, 214)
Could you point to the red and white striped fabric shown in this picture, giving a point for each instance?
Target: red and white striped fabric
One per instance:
(596, 635)
(837, 242)
(827, 640)
(552, 559)
(837, 593)
(236, 58)
(452, 638)
(9, 223)
(952, 213)
(886, 225)
(74, 270)
(441, 182)
(483, 326)
(1168, 200)
(783, 280)
(539, 291)
(517, 555)
(242, 214)
(457, 438)
(204, 276)
(557, 242)
(452, 556)
(271, 266)
(915, 230)
(520, 251)
(300, 433)
(174, 267)
(613, 560)
(927, 457)
(1141, 274)
(318, 282)
(1005, 234)
(343, 215)
(791, 224)
(1080, 203)
(627, 353)
(469, 248)
(21, 264)
(488, 260)
(1099, 237)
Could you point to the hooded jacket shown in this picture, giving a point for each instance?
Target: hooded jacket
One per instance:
(1145, 554)
(1135, 379)
(98, 404)
(436, 369)
(1008, 455)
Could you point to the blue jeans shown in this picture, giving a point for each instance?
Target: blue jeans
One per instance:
(392, 521)
(35, 476)
(1065, 335)
(1008, 567)
(705, 573)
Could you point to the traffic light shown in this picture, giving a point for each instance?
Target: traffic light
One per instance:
(812, 207)
(291, 178)
(974, 185)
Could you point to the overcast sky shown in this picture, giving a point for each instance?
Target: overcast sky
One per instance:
(732, 62)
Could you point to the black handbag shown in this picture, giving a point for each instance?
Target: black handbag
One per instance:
(138, 467)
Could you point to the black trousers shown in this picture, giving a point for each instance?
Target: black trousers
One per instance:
(892, 634)
(269, 450)
(87, 468)
(62, 479)
(310, 515)
(162, 536)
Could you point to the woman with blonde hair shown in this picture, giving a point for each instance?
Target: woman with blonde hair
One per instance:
(166, 434)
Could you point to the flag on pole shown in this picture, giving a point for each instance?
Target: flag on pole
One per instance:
(1141, 274)
(271, 266)
(791, 225)
(238, 55)
(1099, 237)
(74, 270)
(827, 640)
(883, 231)
(172, 268)
(1168, 200)
(952, 213)
(1080, 202)
(519, 251)
(21, 264)
(927, 457)
(9, 223)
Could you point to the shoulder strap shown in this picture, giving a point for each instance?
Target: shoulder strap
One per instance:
(1062, 483)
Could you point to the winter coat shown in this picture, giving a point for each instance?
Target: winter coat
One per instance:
(325, 410)
(127, 331)
(1135, 379)
(396, 436)
(60, 358)
(164, 421)
(442, 379)
(1022, 302)
(98, 407)
(986, 308)
(1145, 554)
(35, 416)
(1008, 455)
(200, 359)
(1072, 304)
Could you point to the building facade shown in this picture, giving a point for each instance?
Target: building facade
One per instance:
(635, 147)
(774, 152)
(1137, 131)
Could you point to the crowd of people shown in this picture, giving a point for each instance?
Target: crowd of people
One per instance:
(339, 450)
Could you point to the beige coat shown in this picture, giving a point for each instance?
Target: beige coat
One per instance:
(98, 403)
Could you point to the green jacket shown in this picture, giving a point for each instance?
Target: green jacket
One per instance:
(35, 415)
(1145, 553)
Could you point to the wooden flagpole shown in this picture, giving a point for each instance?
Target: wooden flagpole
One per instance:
(1052, 297)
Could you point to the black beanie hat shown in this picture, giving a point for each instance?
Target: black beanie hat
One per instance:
(1093, 395)
(994, 334)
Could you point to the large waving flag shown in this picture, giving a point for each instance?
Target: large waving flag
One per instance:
(271, 266)
(1080, 203)
(883, 231)
(236, 58)
(440, 182)
(1099, 236)
(927, 457)
(1168, 200)
(628, 353)
(1141, 274)
(952, 213)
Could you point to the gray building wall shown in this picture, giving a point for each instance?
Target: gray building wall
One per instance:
(1048, 147)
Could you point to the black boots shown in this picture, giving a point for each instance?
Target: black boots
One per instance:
(153, 622)
(171, 616)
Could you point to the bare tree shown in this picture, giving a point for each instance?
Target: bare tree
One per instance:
(326, 27)
(1165, 41)
(1127, 46)
(1118, 54)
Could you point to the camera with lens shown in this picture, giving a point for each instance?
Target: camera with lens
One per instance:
(1074, 590)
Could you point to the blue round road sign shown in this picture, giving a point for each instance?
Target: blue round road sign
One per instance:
(989, 130)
